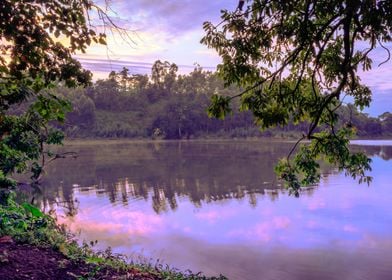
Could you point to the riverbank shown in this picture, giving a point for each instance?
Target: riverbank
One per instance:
(119, 141)
(24, 261)
(34, 246)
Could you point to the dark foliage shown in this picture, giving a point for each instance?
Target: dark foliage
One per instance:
(133, 106)
(32, 60)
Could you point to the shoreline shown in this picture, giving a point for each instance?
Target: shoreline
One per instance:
(116, 141)
(34, 246)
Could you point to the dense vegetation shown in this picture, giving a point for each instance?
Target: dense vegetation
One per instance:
(32, 60)
(171, 106)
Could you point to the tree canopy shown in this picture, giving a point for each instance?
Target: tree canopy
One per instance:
(38, 39)
(297, 60)
(133, 106)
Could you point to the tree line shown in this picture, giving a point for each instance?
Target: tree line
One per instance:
(169, 105)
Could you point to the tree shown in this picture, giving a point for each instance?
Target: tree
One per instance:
(163, 74)
(139, 82)
(386, 122)
(296, 60)
(124, 78)
(34, 58)
(83, 109)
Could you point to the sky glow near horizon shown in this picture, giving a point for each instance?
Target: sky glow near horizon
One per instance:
(171, 30)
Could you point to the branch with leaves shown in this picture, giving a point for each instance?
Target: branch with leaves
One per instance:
(294, 61)
(39, 39)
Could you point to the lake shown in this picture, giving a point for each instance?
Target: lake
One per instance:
(216, 207)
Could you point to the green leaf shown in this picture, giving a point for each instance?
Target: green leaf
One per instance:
(34, 211)
(219, 107)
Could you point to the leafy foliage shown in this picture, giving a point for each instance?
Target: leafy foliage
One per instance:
(295, 61)
(38, 41)
(220, 106)
(26, 223)
(142, 110)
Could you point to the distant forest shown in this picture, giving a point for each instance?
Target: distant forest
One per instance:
(167, 105)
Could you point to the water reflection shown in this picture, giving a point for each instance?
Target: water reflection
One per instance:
(216, 207)
(384, 152)
(161, 172)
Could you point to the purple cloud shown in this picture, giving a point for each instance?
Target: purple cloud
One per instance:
(174, 17)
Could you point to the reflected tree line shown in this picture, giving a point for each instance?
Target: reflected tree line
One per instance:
(384, 152)
(165, 173)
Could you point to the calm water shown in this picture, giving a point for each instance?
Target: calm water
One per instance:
(216, 207)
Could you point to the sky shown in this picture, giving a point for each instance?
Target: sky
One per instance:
(171, 30)
(166, 30)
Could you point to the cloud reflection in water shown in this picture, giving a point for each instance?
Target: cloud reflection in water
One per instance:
(340, 230)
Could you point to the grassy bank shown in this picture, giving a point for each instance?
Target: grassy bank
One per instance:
(34, 246)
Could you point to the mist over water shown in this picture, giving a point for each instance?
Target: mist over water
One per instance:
(216, 207)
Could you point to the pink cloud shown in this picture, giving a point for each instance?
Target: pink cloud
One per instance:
(213, 216)
(264, 231)
(281, 222)
(187, 229)
(316, 203)
(115, 222)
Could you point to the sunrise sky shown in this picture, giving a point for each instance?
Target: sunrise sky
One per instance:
(171, 30)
